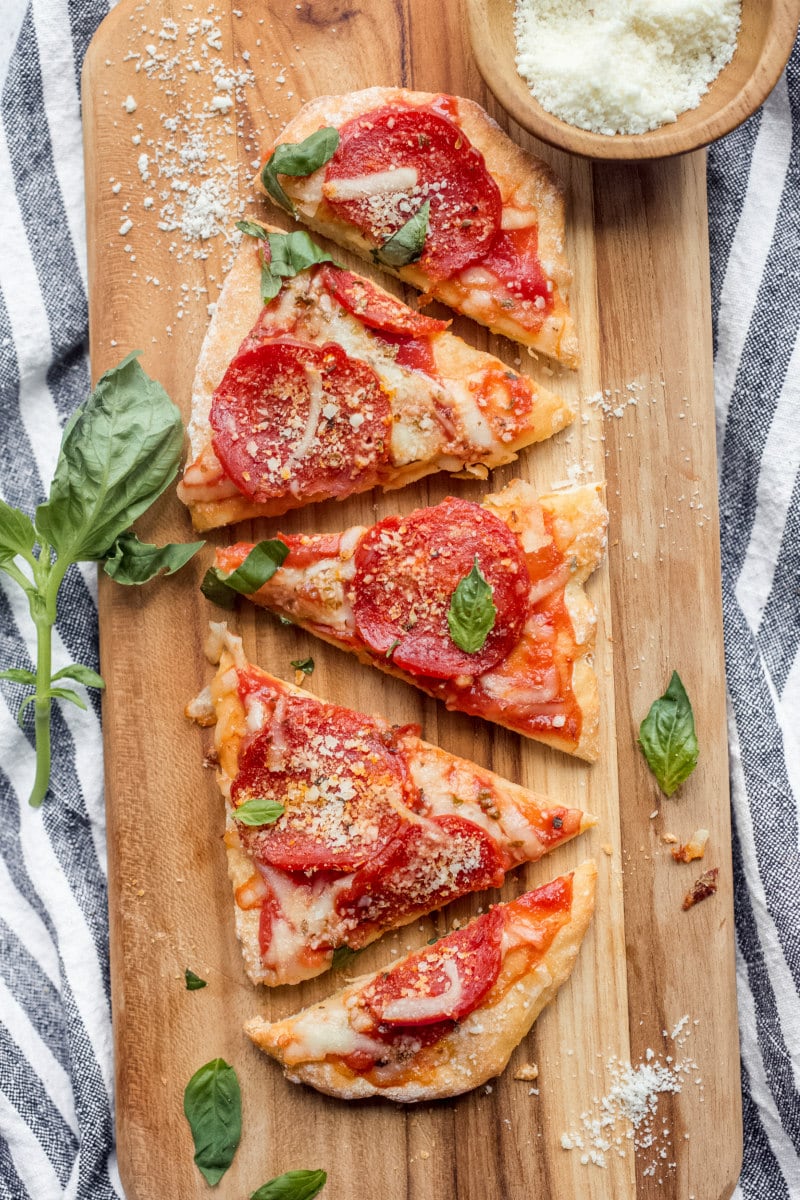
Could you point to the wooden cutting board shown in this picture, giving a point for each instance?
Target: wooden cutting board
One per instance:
(638, 243)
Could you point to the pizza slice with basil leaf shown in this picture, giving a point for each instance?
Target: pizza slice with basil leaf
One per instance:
(430, 188)
(341, 826)
(479, 605)
(314, 383)
(446, 1018)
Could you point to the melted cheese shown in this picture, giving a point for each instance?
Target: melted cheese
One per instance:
(398, 179)
(323, 1030)
(419, 1008)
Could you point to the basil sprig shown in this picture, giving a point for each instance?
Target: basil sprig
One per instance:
(258, 811)
(289, 254)
(472, 612)
(407, 245)
(193, 982)
(260, 565)
(119, 452)
(668, 739)
(298, 158)
(212, 1103)
(293, 1185)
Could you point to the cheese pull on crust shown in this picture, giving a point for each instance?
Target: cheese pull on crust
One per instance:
(377, 827)
(336, 387)
(446, 1018)
(495, 244)
(384, 593)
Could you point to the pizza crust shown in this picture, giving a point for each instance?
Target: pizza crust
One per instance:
(478, 1048)
(239, 308)
(524, 181)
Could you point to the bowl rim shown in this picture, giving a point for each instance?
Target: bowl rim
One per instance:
(666, 140)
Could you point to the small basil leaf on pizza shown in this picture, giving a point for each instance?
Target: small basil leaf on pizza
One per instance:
(212, 1103)
(472, 612)
(130, 561)
(260, 565)
(668, 739)
(293, 1185)
(252, 229)
(270, 284)
(306, 665)
(258, 812)
(407, 244)
(291, 253)
(193, 982)
(298, 158)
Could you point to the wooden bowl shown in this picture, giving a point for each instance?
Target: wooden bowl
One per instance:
(766, 37)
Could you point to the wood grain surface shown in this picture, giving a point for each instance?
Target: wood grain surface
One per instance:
(638, 243)
(764, 43)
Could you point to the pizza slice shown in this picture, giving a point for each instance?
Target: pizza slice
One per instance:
(446, 1018)
(335, 386)
(430, 188)
(479, 605)
(341, 826)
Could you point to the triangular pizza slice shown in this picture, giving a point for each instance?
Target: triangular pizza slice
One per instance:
(430, 188)
(446, 1018)
(335, 386)
(479, 605)
(341, 826)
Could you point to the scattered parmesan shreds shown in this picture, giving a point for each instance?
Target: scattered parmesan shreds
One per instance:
(628, 1113)
(198, 189)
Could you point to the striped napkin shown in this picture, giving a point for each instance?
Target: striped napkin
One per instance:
(56, 1080)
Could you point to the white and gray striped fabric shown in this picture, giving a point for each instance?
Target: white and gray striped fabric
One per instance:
(56, 1089)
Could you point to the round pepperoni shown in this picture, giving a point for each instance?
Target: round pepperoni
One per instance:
(415, 155)
(514, 260)
(407, 569)
(340, 778)
(427, 865)
(297, 418)
(376, 308)
(445, 983)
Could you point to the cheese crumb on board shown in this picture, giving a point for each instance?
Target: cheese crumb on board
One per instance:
(623, 66)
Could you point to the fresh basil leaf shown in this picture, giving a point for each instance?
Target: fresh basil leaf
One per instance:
(392, 648)
(17, 534)
(66, 694)
(258, 812)
(119, 452)
(212, 1103)
(291, 253)
(668, 739)
(252, 229)
(472, 613)
(84, 675)
(407, 244)
(193, 982)
(130, 561)
(270, 284)
(293, 1185)
(17, 675)
(306, 665)
(298, 158)
(260, 565)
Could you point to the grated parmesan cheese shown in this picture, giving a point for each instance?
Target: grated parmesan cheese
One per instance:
(623, 66)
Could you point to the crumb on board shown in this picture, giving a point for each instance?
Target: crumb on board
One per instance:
(527, 1072)
(702, 888)
(694, 848)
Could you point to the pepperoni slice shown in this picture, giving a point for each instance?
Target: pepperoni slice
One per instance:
(514, 260)
(445, 983)
(374, 307)
(295, 418)
(414, 155)
(427, 865)
(341, 779)
(407, 569)
(553, 899)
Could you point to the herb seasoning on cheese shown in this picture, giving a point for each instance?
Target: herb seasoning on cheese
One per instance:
(623, 66)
